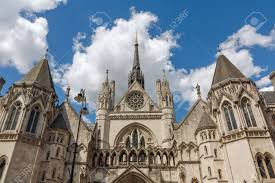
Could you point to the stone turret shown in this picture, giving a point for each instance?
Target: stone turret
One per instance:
(2, 82)
(272, 78)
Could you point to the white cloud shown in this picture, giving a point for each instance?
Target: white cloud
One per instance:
(23, 38)
(112, 48)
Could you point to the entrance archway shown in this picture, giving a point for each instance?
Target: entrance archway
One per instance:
(132, 177)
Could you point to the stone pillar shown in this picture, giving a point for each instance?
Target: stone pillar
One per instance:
(272, 78)
(2, 82)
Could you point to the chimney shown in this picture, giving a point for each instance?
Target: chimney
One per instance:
(272, 78)
(2, 82)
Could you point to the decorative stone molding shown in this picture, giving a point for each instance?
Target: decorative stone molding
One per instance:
(245, 134)
(127, 117)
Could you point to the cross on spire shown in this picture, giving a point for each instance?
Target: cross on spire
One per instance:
(107, 75)
(68, 93)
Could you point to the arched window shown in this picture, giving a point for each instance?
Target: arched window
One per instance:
(33, 120)
(54, 173)
(248, 114)
(94, 163)
(57, 152)
(135, 139)
(220, 173)
(171, 159)
(14, 116)
(128, 143)
(209, 172)
(158, 159)
(142, 157)
(123, 157)
(43, 177)
(215, 153)
(269, 167)
(113, 159)
(2, 167)
(48, 155)
(133, 157)
(100, 160)
(142, 142)
(261, 167)
(165, 159)
(205, 150)
(107, 158)
(229, 116)
(151, 158)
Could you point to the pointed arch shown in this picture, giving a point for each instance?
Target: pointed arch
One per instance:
(3, 165)
(113, 159)
(268, 159)
(158, 158)
(229, 116)
(171, 159)
(248, 113)
(13, 116)
(142, 156)
(94, 161)
(128, 143)
(142, 142)
(135, 139)
(33, 119)
(165, 159)
(151, 158)
(107, 159)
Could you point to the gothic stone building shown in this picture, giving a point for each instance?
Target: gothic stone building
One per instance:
(227, 139)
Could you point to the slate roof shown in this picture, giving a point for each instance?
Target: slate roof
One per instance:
(224, 70)
(59, 123)
(269, 97)
(40, 74)
(206, 122)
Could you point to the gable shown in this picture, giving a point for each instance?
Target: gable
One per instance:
(185, 132)
(136, 99)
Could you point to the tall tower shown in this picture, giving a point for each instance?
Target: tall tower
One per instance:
(136, 73)
(29, 106)
(105, 104)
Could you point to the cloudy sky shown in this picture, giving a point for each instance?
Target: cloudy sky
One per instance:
(87, 37)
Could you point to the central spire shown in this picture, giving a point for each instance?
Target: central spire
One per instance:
(136, 73)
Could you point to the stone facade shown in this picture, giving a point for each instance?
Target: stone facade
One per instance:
(227, 139)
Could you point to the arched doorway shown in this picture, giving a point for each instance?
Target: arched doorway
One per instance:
(132, 177)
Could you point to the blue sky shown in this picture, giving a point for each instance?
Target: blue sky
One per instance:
(208, 24)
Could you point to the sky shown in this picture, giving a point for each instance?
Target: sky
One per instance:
(86, 37)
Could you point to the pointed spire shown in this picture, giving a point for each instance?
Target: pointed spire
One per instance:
(164, 75)
(136, 54)
(136, 73)
(225, 70)
(40, 74)
(198, 87)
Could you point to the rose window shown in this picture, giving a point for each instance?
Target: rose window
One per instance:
(135, 100)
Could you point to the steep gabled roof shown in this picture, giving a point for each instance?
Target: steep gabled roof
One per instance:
(206, 122)
(225, 70)
(40, 74)
(59, 122)
(269, 97)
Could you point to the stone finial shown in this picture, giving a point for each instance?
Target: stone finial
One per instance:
(68, 93)
(198, 90)
(272, 78)
(107, 75)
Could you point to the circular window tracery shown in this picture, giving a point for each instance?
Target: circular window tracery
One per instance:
(135, 100)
